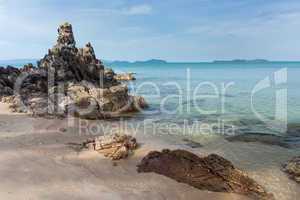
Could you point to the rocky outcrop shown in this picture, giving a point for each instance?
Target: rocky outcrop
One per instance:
(292, 168)
(68, 63)
(114, 146)
(68, 80)
(212, 173)
(8, 77)
(125, 77)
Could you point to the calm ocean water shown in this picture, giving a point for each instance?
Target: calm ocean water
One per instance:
(189, 91)
(184, 91)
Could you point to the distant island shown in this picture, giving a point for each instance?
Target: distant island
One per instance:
(152, 61)
(147, 62)
(161, 62)
(21, 62)
(241, 61)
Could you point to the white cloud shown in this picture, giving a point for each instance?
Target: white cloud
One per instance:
(143, 9)
(266, 22)
(138, 10)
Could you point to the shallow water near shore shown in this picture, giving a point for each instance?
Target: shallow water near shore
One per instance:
(208, 92)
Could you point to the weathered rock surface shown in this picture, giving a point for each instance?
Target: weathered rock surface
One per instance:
(8, 76)
(212, 173)
(292, 167)
(114, 146)
(125, 77)
(68, 80)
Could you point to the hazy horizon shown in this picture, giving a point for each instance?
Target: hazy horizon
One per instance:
(25, 60)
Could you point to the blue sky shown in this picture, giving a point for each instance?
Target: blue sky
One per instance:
(175, 30)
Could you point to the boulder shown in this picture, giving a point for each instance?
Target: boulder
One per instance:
(114, 146)
(16, 104)
(8, 77)
(125, 77)
(212, 173)
(292, 168)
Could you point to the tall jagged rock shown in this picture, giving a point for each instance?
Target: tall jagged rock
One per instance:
(69, 80)
(65, 35)
(69, 63)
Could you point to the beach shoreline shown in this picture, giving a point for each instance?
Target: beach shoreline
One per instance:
(40, 164)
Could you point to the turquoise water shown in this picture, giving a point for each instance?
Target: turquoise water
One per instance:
(171, 91)
(159, 82)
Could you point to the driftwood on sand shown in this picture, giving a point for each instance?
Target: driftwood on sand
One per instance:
(212, 173)
(115, 146)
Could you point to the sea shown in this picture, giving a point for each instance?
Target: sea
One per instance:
(249, 97)
(252, 97)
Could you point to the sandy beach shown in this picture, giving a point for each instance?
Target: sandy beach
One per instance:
(39, 164)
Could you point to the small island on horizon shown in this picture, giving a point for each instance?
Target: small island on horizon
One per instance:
(145, 62)
(242, 61)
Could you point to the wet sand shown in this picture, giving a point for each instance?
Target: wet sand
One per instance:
(37, 163)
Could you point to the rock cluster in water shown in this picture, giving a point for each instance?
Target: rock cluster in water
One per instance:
(68, 80)
(212, 173)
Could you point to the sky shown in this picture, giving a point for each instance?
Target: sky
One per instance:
(174, 30)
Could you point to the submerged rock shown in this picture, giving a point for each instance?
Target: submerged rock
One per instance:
(192, 144)
(113, 146)
(288, 140)
(212, 173)
(292, 167)
(294, 130)
(68, 80)
(263, 138)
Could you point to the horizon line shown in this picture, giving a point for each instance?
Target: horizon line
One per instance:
(169, 61)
